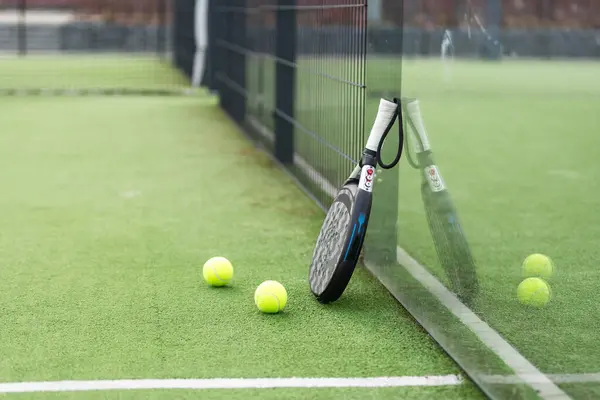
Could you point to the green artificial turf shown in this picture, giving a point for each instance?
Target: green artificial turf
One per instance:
(93, 71)
(109, 208)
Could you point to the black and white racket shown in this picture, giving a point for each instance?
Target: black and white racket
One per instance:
(342, 235)
(451, 245)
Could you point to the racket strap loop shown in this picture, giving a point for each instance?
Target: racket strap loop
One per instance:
(400, 138)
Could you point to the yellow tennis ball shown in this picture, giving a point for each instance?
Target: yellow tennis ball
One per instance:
(217, 271)
(538, 265)
(534, 292)
(270, 297)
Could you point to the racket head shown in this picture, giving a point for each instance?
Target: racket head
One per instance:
(339, 245)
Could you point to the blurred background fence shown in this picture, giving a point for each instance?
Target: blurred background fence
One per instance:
(532, 28)
(525, 28)
(93, 46)
(82, 25)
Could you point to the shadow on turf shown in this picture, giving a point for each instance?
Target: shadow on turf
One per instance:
(351, 302)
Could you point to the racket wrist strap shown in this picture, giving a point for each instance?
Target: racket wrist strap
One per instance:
(398, 116)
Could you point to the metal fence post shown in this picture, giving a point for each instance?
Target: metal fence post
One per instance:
(221, 53)
(211, 50)
(22, 28)
(238, 59)
(285, 76)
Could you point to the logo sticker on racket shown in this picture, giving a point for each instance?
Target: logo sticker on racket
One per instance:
(436, 183)
(367, 176)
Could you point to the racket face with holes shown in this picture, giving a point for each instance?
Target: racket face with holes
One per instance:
(339, 242)
(343, 231)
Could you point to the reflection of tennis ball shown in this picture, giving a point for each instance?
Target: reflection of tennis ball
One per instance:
(217, 271)
(270, 297)
(534, 292)
(538, 265)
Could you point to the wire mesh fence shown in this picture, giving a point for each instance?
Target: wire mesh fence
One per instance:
(294, 73)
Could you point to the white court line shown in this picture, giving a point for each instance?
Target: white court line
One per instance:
(203, 384)
(524, 369)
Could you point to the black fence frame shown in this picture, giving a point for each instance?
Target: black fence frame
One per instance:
(184, 41)
(226, 71)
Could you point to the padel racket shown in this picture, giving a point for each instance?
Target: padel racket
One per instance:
(342, 235)
(452, 248)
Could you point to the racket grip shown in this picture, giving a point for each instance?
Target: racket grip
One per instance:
(385, 115)
(413, 110)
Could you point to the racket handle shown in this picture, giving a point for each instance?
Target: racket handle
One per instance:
(413, 110)
(385, 115)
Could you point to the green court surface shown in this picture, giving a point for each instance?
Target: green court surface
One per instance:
(110, 206)
(91, 71)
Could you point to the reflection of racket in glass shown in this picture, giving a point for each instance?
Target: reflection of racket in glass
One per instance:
(341, 238)
(450, 242)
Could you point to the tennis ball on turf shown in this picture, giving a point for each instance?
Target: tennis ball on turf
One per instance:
(270, 297)
(534, 292)
(538, 265)
(217, 271)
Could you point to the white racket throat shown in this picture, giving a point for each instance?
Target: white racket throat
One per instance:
(367, 177)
